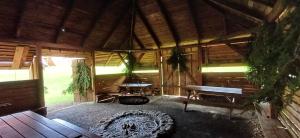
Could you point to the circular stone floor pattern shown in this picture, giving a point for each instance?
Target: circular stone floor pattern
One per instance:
(136, 124)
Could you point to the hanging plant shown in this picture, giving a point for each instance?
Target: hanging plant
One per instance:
(131, 64)
(81, 81)
(274, 62)
(178, 58)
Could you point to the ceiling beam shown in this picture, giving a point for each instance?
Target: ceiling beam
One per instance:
(148, 27)
(278, 8)
(21, 10)
(169, 21)
(244, 14)
(19, 57)
(68, 9)
(114, 28)
(94, 21)
(46, 45)
(194, 16)
(138, 41)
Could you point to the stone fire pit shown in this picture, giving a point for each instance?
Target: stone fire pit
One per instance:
(136, 124)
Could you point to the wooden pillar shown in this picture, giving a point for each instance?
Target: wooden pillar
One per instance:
(93, 76)
(161, 73)
(38, 74)
(200, 61)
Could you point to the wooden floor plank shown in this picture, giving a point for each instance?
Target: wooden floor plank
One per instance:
(42, 129)
(76, 128)
(7, 132)
(23, 129)
(53, 125)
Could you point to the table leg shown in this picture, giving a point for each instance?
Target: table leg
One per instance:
(231, 106)
(187, 101)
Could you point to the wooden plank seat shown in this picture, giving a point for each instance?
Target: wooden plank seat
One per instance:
(32, 125)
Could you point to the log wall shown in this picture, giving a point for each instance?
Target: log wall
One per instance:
(17, 96)
(290, 116)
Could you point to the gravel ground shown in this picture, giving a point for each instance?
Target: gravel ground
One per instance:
(200, 121)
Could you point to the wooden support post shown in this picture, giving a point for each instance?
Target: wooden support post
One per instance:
(19, 57)
(39, 76)
(200, 61)
(93, 76)
(161, 72)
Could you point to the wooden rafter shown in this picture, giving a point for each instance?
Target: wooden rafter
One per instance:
(148, 27)
(68, 9)
(114, 28)
(19, 57)
(21, 8)
(244, 14)
(109, 58)
(169, 22)
(94, 21)
(122, 59)
(265, 2)
(138, 41)
(278, 8)
(140, 57)
(194, 16)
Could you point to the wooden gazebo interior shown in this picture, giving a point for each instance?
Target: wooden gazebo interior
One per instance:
(211, 33)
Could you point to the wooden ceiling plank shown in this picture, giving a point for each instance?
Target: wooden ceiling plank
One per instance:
(68, 9)
(148, 27)
(21, 8)
(244, 14)
(138, 41)
(94, 21)
(19, 57)
(169, 22)
(114, 28)
(194, 16)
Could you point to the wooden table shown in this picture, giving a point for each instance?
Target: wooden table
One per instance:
(229, 93)
(140, 86)
(31, 125)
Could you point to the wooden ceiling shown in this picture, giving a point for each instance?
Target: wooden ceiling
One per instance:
(104, 25)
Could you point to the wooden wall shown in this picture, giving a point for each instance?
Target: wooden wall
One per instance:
(290, 116)
(17, 96)
(171, 84)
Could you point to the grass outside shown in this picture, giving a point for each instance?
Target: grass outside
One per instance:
(57, 79)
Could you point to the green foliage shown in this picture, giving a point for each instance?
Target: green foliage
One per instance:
(178, 57)
(81, 81)
(131, 64)
(274, 61)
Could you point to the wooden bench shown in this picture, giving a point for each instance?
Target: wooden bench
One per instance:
(32, 125)
(229, 93)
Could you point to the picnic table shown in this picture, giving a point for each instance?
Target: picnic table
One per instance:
(31, 125)
(229, 93)
(140, 86)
